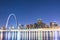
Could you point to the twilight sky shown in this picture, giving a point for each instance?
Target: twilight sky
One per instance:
(27, 12)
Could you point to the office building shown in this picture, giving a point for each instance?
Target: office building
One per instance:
(53, 24)
(40, 23)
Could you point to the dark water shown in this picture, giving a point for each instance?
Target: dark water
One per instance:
(33, 36)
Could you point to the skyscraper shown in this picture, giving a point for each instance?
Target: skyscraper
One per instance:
(31, 26)
(27, 26)
(35, 25)
(46, 26)
(40, 23)
(53, 24)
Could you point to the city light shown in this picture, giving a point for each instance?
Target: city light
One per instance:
(36, 31)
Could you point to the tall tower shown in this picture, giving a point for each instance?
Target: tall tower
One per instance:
(40, 23)
(35, 25)
(9, 18)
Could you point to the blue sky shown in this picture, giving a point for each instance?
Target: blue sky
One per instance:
(27, 12)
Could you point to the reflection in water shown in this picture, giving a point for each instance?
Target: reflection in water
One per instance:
(18, 35)
(9, 36)
(56, 35)
(13, 35)
(32, 35)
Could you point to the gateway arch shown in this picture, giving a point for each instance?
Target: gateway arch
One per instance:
(9, 18)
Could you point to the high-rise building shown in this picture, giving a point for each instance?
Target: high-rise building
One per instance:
(53, 24)
(27, 26)
(4, 28)
(39, 21)
(46, 26)
(31, 26)
(40, 24)
(35, 25)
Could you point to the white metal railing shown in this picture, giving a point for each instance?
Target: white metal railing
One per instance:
(30, 34)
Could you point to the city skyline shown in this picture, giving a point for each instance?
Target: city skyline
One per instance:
(38, 24)
(28, 12)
